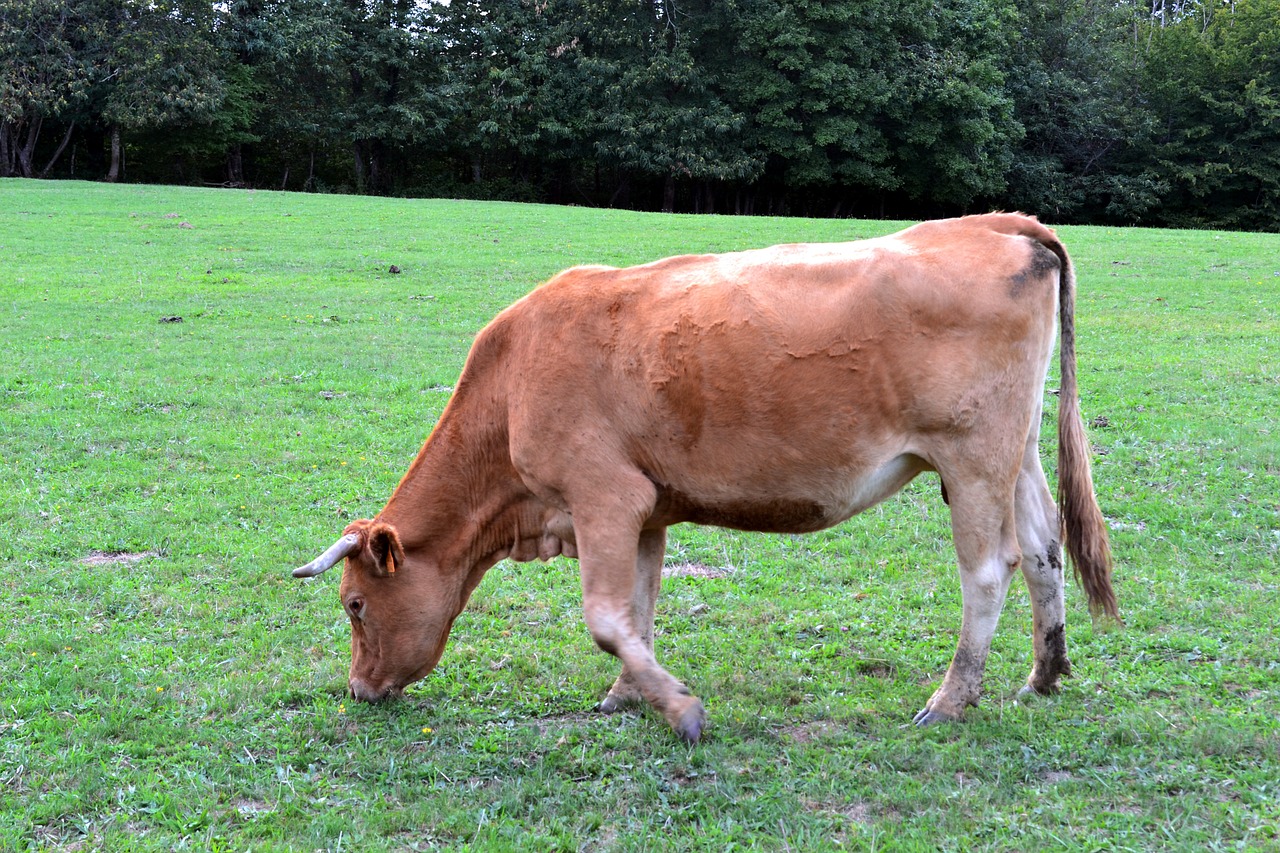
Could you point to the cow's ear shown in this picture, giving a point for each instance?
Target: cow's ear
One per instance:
(385, 548)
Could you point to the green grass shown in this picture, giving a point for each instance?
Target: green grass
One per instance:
(167, 684)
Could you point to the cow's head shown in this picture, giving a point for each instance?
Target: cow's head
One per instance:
(401, 608)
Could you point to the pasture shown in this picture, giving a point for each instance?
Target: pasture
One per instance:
(200, 388)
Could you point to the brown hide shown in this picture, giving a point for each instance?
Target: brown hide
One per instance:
(782, 389)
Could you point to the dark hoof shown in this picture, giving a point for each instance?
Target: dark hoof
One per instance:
(929, 718)
(691, 722)
(1029, 694)
(611, 704)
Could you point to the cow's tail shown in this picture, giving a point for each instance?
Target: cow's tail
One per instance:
(1083, 529)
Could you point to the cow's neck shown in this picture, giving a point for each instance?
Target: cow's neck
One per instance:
(461, 502)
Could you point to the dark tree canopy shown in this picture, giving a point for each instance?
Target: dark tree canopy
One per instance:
(1162, 112)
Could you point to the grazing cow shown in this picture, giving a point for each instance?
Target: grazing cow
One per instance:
(783, 389)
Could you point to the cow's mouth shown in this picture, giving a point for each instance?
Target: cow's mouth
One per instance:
(365, 693)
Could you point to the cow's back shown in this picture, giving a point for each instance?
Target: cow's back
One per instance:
(787, 371)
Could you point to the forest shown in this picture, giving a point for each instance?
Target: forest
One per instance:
(1151, 112)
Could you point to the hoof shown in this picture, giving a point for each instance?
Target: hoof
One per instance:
(927, 717)
(622, 695)
(689, 727)
(613, 704)
(1029, 694)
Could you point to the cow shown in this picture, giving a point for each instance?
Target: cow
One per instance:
(782, 390)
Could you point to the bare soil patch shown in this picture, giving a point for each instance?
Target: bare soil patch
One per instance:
(124, 558)
(696, 570)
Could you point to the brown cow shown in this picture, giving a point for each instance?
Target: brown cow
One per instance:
(783, 390)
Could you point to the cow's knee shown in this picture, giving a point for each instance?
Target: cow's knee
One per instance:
(606, 632)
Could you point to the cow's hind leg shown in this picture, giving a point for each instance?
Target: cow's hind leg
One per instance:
(644, 595)
(983, 526)
(608, 529)
(1042, 569)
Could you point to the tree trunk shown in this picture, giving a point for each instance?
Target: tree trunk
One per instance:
(669, 194)
(357, 155)
(375, 167)
(235, 165)
(113, 174)
(61, 147)
(623, 192)
(6, 150)
(92, 150)
(27, 152)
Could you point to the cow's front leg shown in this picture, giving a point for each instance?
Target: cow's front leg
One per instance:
(609, 531)
(988, 553)
(644, 595)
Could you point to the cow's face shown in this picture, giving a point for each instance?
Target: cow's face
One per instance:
(401, 610)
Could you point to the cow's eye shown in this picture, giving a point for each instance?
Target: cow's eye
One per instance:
(356, 607)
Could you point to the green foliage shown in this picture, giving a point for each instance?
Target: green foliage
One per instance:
(517, 96)
(814, 77)
(1216, 92)
(168, 685)
(160, 66)
(654, 112)
(1088, 128)
(956, 125)
(43, 68)
(392, 89)
(1087, 110)
(48, 55)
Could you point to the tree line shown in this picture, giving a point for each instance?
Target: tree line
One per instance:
(1163, 112)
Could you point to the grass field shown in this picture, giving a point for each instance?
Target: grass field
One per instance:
(167, 685)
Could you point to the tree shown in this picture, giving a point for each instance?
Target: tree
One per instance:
(1161, 111)
(858, 100)
(295, 53)
(1213, 75)
(48, 56)
(815, 80)
(952, 119)
(514, 79)
(162, 69)
(393, 99)
(654, 110)
(1074, 76)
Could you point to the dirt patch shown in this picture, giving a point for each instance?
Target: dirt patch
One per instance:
(876, 668)
(858, 811)
(696, 570)
(566, 720)
(60, 838)
(809, 732)
(687, 776)
(123, 558)
(250, 809)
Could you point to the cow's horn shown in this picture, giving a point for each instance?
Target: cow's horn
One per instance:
(345, 546)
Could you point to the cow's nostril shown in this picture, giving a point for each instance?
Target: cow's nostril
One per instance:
(365, 692)
(361, 691)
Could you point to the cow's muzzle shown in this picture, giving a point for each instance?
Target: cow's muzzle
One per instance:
(365, 692)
